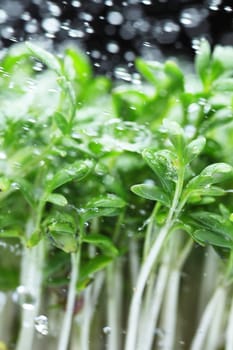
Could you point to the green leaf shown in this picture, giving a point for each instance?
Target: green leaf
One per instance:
(161, 162)
(194, 148)
(203, 60)
(10, 233)
(176, 136)
(151, 192)
(79, 62)
(107, 201)
(93, 265)
(61, 122)
(44, 56)
(27, 190)
(57, 199)
(5, 184)
(76, 171)
(212, 174)
(175, 74)
(34, 239)
(209, 237)
(223, 85)
(103, 242)
(149, 70)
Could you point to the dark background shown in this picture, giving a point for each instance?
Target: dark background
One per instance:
(113, 33)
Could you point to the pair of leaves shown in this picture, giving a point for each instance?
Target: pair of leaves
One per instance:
(211, 228)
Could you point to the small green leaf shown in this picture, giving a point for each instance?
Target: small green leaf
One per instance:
(149, 70)
(34, 239)
(203, 60)
(103, 242)
(61, 122)
(176, 136)
(47, 58)
(223, 85)
(10, 233)
(5, 184)
(93, 265)
(57, 199)
(76, 171)
(194, 148)
(107, 201)
(27, 190)
(176, 75)
(80, 64)
(151, 192)
(208, 237)
(212, 174)
(161, 162)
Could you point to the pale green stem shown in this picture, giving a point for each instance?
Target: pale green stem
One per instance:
(208, 316)
(229, 331)
(151, 259)
(31, 282)
(151, 312)
(216, 326)
(114, 304)
(64, 338)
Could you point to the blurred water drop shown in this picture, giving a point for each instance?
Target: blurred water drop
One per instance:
(51, 25)
(75, 3)
(107, 330)
(76, 33)
(115, 18)
(31, 27)
(112, 47)
(3, 16)
(7, 32)
(214, 5)
(146, 2)
(54, 9)
(26, 16)
(191, 17)
(41, 324)
(228, 8)
(166, 31)
(122, 73)
(24, 298)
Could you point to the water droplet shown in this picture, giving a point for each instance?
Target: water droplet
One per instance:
(31, 27)
(166, 31)
(191, 17)
(228, 8)
(112, 47)
(214, 5)
(3, 16)
(41, 324)
(76, 3)
(115, 18)
(107, 330)
(24, 298)
(54, 9)
(76, 33)
(51, 25)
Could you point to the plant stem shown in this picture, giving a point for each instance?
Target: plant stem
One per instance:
(151, 312)
(31, 281)
(91, 295)
(67, 321)
(147, 267)
(208, 315)
(216, 327)
(229, 332)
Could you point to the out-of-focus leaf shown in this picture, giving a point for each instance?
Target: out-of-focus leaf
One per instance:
(103, 242)
(151, 192)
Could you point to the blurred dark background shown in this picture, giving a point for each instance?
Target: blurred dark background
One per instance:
(114, 32)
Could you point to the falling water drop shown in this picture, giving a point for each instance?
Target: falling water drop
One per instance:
(41, 324)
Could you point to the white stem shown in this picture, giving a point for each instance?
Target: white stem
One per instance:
(67, 321)
(114, 287)
(216, 327)
(208, 316)
(229, 331)
(133, 260)
(170, 310)
(139, 288)
(151, 313)
(30, 290)
(209, 277)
